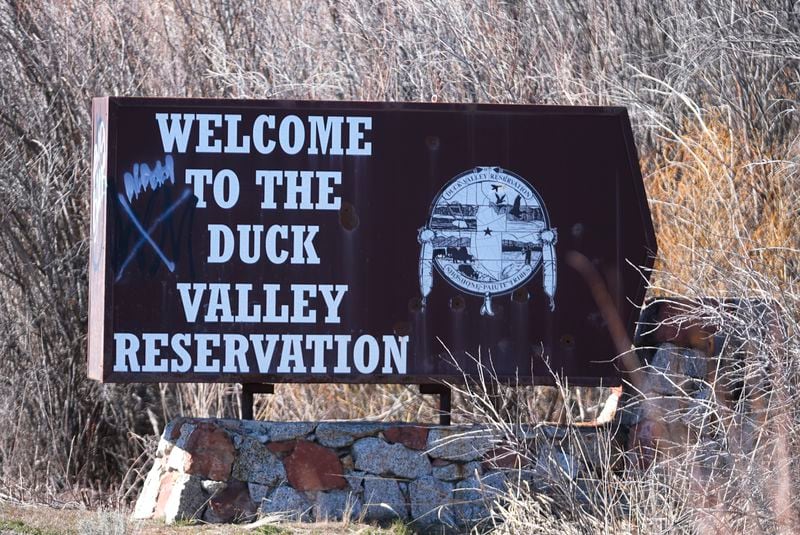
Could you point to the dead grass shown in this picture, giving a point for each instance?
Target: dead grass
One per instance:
(711, 87)
(31, 519)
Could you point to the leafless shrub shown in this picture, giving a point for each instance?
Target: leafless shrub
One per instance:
(711, 87)
(723, 459)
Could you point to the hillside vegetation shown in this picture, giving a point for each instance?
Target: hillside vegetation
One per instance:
(711, 86)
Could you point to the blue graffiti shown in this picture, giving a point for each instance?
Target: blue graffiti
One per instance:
(143, 177)
(145, 234)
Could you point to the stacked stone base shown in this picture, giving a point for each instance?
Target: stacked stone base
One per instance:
(234, 470)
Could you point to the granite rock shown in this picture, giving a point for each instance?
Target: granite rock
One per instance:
(459, 445)
(377, 457)
(258, 492)
(431, 502)
(287, 502)
(556, 464)
(355, 479)
(186, 499)
(257, 464)
(337, 505)
(179, 435)
(279, 431)
(383, 500)
(456, 471)
(473, 497)
(341, 434)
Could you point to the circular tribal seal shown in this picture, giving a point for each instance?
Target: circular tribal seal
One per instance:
(487, 235)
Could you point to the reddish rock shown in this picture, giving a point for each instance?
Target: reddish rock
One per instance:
(413, 437)
(500, 457)
(176, 430)
(210, 453)
(282, 447)
(231, 504)
(165, 489)
(682, 333)
(440, 462)
(314, 467)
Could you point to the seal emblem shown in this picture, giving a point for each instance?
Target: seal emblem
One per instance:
(487, 235)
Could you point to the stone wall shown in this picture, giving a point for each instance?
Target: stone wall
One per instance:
(232, 470)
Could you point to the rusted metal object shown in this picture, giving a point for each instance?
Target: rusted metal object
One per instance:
(246, 397)
(666, 321)
(288, 241)
(445, 394)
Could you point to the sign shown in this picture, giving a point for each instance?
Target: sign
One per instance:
(297, 241)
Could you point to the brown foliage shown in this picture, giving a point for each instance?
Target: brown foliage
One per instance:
(711, 87)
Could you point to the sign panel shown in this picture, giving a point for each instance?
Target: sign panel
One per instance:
(294, 241)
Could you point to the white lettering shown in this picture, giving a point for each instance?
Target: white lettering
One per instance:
(268, 180)
(303, 241)
(292, 353)
(271, 244)
(178, 343)
(271, 291)
(244, 315)
(204, 353)
(264, 355)
(220, 248)
(219, 303)
(301, 188)
(357, 125)
(342, 341)
(233, 133)
(125, 347)
(395, 353)
(198, 178)
(173, 133)
(152, 351)
(206, 132)
(245, 254)
(319, 343)
(291, 134)
(191, 305)
(328, 132)
(258, 133)
(333, 296)
(326, 200)
(301, 293)
(236, 346)
(226, 179)
(318, 135)
(365, 354)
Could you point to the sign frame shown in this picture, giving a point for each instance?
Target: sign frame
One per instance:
(637, 244)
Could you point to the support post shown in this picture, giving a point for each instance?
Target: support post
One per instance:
(445, 400)
(248, 389)
(495, 397)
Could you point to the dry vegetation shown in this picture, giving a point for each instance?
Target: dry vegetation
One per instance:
(712, 88)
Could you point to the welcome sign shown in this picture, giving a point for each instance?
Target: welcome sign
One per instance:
(293, 241)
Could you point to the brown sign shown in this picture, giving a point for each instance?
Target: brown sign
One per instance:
(290, 241)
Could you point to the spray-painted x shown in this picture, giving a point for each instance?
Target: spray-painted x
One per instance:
(146, 233)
